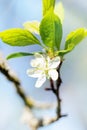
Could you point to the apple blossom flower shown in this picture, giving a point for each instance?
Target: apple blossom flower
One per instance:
(44, 68)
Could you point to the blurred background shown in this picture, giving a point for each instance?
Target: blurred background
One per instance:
(13, 13)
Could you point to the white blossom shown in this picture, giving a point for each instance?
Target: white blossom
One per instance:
(44, 67)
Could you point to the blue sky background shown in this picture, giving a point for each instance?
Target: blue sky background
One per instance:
(13, 13)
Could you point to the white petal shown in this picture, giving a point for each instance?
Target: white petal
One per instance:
(38, 55)
(34, 63)
(39, 62)
(53, 74)
(40, 81)
(34, 73)
(54, 63)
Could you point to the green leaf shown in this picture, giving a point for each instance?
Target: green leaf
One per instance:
(47, 4)
(18, 37)
(51, 30)
(33, 26)
(73, 39)
(59, 10)
(19, 54)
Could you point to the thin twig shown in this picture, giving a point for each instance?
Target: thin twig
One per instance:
(56, 91)
(58, 84)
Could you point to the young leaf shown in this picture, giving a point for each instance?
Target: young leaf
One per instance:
(73, 39)
(33, 26)
(18, 37)
(47, 4)
(19, 54)
(59, 10)
(51, 30)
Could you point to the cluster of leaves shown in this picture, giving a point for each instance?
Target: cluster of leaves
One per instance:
(49, 29)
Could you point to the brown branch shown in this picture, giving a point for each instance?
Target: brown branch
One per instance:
(11, 76)
(33, 122)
